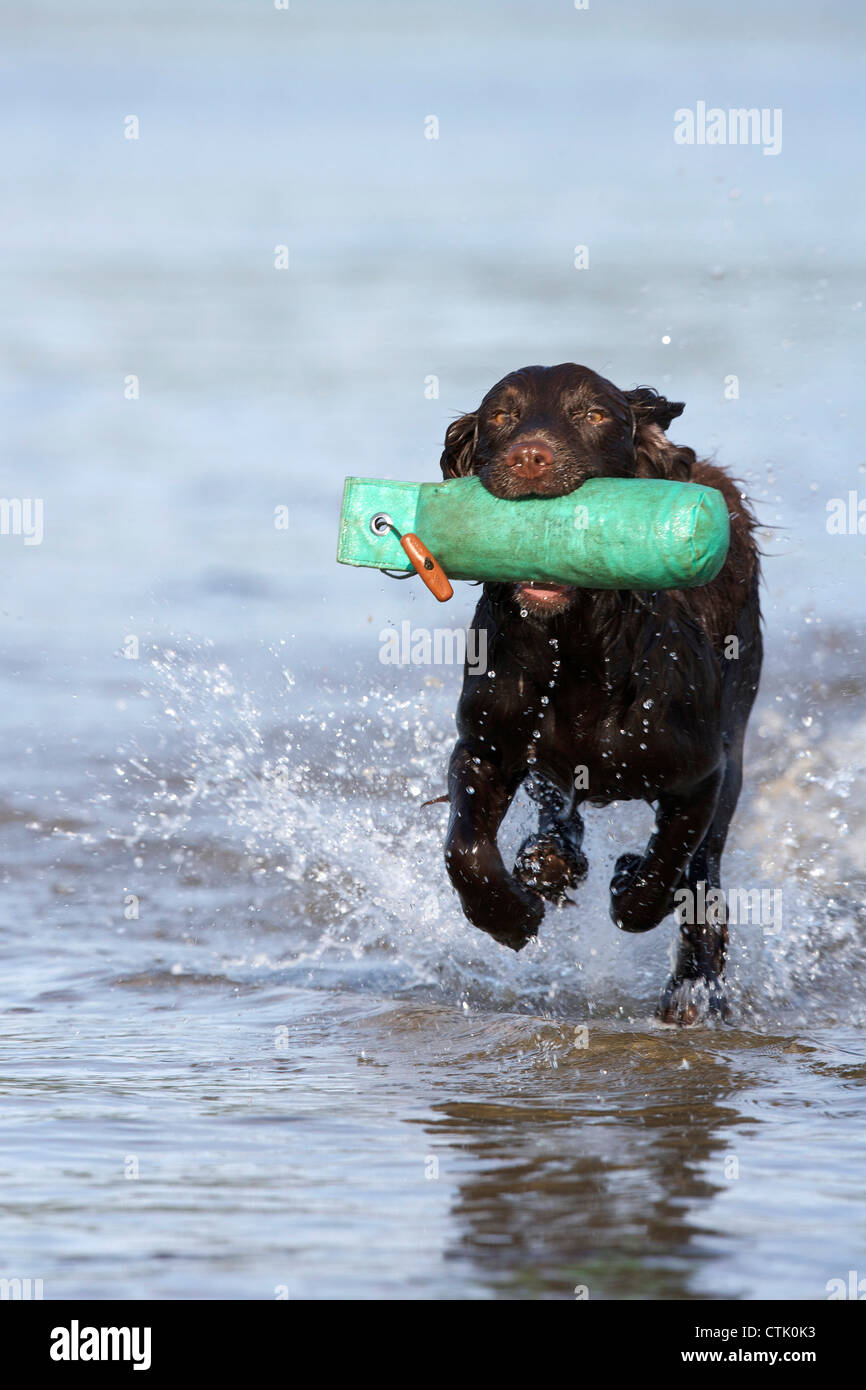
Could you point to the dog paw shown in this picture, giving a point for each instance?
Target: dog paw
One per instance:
(635, 902)
(632, 908)
(547, 865)
(515, 930)
(690, 1001)
(515, 938)
(510, 914)
(624, 872)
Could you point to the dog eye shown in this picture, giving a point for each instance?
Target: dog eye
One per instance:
(597, 416)
(501, 417)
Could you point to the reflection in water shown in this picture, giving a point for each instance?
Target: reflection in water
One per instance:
(588, 1172)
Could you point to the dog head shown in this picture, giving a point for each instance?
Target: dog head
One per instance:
(543, 431)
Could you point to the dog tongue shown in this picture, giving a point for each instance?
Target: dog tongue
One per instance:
(544, 588)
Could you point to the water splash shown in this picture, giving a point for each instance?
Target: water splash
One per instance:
(291, 825)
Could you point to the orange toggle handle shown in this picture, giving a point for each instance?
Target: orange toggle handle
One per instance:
(427, 566)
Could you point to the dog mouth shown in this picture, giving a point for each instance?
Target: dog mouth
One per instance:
(560, 480)
(543, 595)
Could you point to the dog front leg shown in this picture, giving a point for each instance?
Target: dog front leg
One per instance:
(491, 897)
(642, 887)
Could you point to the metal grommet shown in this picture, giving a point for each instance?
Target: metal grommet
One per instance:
(381, 524)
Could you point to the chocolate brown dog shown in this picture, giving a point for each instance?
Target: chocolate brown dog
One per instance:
(599, 695)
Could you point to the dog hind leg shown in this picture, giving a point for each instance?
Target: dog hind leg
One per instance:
(551, 861)
(696, 987)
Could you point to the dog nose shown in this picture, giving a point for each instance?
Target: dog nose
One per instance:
(529, 459)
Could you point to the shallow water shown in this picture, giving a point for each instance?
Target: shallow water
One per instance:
(251, 1047)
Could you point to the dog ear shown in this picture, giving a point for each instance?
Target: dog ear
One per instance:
(655, 455)
(458, 455)
(649, 408)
